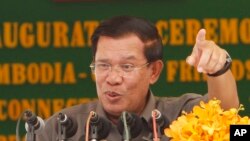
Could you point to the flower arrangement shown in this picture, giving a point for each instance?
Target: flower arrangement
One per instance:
(207, 122)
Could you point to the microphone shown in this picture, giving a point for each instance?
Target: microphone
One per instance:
(66, 126)
(130, 125)
(161, 121)
(34, 124)
(99, 127)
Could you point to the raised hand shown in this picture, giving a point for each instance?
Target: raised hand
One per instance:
(206, 56)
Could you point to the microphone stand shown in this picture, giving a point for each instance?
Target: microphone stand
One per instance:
(93, 132)
(61, 128)
(129, 126)
(94, 121)
(31, 134)
(128, 136)
(99, 127)
(161, 121)
(126, 132)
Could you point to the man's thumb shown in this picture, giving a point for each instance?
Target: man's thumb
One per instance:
(190, 60)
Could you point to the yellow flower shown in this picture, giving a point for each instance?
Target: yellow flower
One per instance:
(207, 122)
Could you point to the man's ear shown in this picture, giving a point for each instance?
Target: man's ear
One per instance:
(157, 67)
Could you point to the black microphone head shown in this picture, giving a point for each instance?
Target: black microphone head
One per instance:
(33, 121)
(67, 122)
(103, 126)
(134, 123)
(161, 121)
(30, 118)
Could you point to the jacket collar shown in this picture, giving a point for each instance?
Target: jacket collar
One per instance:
(146, 114)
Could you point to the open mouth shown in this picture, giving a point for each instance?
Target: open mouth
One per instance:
(112, 96)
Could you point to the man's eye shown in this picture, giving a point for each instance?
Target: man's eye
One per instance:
(102, 66)
(127, 67)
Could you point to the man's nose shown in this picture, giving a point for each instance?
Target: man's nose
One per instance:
(114, 76)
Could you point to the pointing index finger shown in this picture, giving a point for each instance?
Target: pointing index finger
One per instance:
(201, 35)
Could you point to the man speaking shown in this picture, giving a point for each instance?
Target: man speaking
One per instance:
(127, 60)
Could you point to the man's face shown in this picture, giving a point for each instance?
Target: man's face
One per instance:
(119, 91)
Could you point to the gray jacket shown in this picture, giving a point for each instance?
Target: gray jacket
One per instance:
(170, 108)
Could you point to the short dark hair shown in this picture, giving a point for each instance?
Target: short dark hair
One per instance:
(121, 26)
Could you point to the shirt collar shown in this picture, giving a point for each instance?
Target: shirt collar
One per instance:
(100, 110)
(146, 113)
(150, 106)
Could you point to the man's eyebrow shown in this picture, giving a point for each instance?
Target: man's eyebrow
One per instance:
(123, 58)
(102, 60)
(129, 57)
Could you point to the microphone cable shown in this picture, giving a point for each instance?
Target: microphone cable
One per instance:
(129, 125)
(87, 125)
(18, 125)
(155, 138)
(125, 126)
